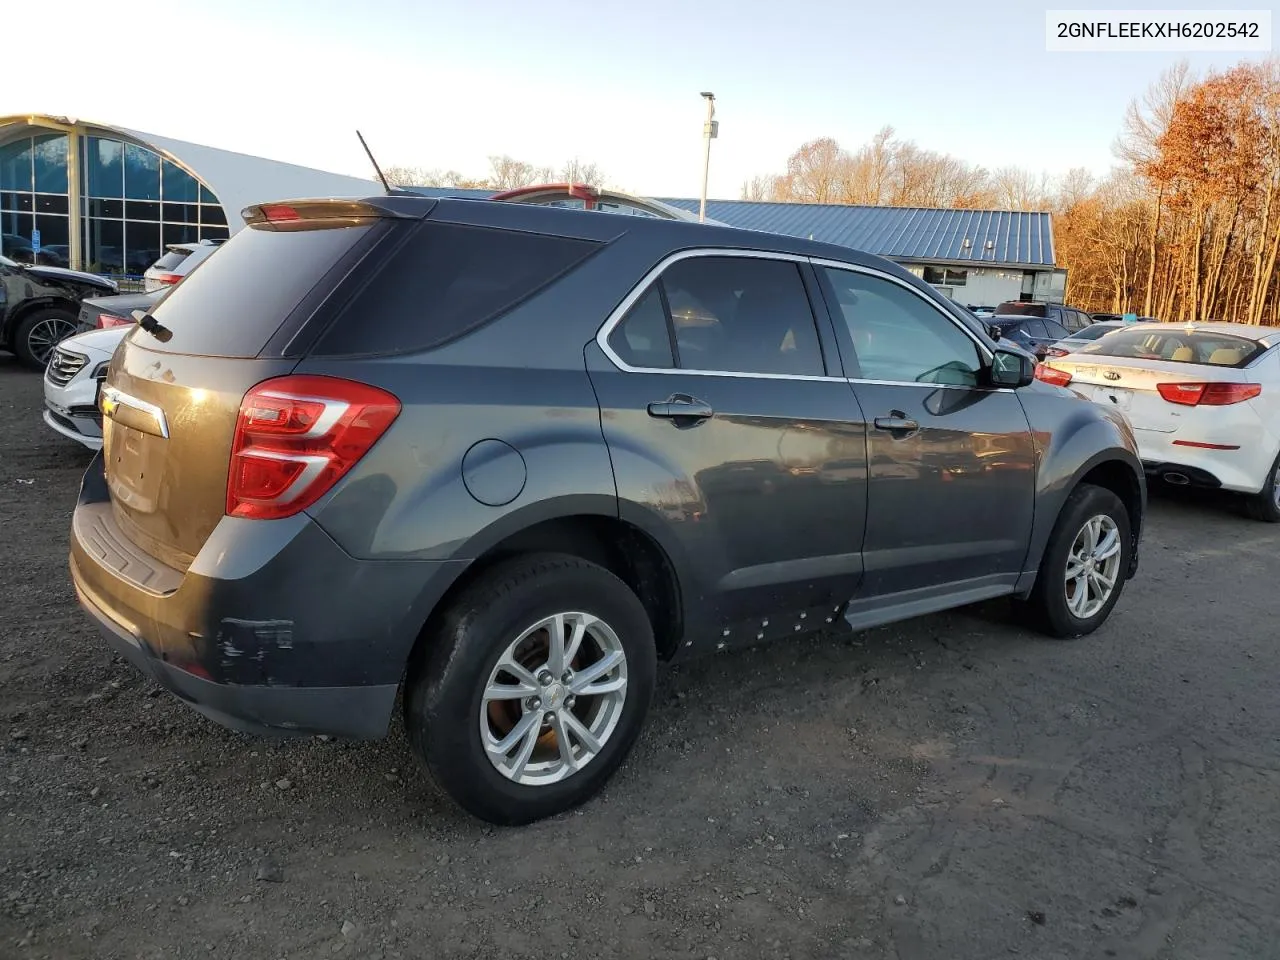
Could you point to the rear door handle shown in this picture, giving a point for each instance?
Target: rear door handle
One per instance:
(897, 424)
(681, 406)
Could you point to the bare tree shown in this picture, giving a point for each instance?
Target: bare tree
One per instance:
(508, 173)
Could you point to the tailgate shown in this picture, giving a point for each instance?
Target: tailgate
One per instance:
(167, 432)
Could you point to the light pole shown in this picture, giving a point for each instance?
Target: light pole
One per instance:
(710, 129)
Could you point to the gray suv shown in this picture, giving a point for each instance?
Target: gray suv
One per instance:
(507, 458)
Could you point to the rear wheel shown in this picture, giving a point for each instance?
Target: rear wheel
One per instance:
(532, 688)
(39, 332)
(1084, 566)
(1265, 505)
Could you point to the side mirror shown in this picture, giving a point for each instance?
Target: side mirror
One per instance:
(1012, 369)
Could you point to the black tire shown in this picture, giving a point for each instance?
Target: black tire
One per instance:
(1046, 608)
(35, 355)
(1263, 505)
(447, 679)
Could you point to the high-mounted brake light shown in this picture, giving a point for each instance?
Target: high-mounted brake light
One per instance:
(1059, 378)
(1208, 394)
(276, 212)
(108, 320)
(296, 436)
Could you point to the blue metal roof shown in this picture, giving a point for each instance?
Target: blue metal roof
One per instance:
(909, 234)
(913, 234)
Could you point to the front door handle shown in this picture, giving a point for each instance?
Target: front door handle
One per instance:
(898, 424)
(681, 406)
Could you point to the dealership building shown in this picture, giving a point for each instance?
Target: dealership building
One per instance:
(109, 200)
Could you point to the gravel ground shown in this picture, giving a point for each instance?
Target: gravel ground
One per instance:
(949, 788)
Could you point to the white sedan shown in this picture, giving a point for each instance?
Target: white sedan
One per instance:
(76, 367)
(1203, 400)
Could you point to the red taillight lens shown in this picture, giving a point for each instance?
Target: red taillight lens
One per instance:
(1059, 378)
(108, 320)
(1056, 352)
(296, 437)
(166, 278)
(1208, 394)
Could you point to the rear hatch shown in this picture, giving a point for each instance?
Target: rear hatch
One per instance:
(173, 393)
(1126, 369)
(163, 272)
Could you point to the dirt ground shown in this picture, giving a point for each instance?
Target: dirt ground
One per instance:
(950, 788)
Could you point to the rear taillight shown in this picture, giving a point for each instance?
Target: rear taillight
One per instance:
(296, 436)
(1056, 352)
(1059, 378)
(166, 278)
(1208, 394)
(108, 320)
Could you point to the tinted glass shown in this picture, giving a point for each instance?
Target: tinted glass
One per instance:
(171, 259)
(104, 162)
(899, 337)
(1034, 329)
(1092, 332)
(1178, 346)
(1017, 308)
(239, 296)
(179, 186)
(1056, 330)
(740, 314)
(446, 280)
(15, 165)
(50, 156)
(141, 174)
(643, 339)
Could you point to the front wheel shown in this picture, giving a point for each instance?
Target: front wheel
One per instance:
(39, 332)
(1084, 566)
(532, 688)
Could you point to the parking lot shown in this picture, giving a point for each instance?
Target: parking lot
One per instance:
(950, 788)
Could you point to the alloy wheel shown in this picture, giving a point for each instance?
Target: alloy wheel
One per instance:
(553, 699)
(1093, 567)
(46, 335)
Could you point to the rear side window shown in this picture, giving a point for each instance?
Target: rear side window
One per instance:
(171, 259)
(1210, 349)
(444, 280)
(1056, 330)
(643, 339)
(236, 301)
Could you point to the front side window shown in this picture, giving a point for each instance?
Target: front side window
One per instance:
(898, 337)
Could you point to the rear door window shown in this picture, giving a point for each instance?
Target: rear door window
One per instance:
(445, 280)
(1056, 330)
(236, 301)
(742, 315)
(1034, 329)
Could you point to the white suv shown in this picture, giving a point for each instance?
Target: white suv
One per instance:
(179, 260)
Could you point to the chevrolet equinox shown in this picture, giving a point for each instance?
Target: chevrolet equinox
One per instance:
(506, 458)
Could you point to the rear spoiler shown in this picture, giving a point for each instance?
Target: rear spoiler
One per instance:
(323, 213)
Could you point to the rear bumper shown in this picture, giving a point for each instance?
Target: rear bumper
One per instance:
(357, 712)
(274, 628)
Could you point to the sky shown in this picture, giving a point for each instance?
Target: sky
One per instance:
(446, 85)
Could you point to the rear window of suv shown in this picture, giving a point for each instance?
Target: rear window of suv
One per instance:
(1210, 349)
(233, 304)
(445, 280)
(1017, 308)
(171, 259)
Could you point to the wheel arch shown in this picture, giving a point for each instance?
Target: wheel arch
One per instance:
(27, 307)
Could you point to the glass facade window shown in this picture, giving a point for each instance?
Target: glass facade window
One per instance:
(137, 203)
(134, 203)
(33, 196)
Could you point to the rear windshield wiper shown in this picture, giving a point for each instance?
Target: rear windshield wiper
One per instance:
(153, 326)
